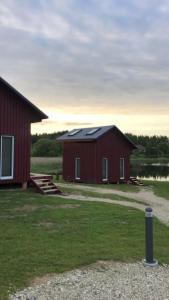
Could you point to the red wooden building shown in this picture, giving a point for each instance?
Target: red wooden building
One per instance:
(96, 155)
(16, 115)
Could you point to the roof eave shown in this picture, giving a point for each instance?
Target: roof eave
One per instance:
(34, 107)
(127, 139)
(77, 140)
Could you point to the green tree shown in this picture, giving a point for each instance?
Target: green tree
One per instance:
(45, 147)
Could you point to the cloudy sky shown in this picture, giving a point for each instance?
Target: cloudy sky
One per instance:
(89, 62)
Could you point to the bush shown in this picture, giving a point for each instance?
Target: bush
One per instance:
(45, 147)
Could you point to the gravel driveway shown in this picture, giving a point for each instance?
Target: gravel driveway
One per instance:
(103, 281)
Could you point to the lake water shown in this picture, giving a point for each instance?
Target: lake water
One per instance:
(157, 171)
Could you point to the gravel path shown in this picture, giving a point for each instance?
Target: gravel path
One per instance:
(160, 205)
(103, 281)
(106, 200)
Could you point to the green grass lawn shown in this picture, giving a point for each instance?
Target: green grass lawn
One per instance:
(44, 169)
(46, 165)
(41, 235)
(160, 188)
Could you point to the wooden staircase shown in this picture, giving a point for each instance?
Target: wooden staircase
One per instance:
(136, 181)
(44, 184)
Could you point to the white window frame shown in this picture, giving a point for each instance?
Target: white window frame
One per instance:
(77, 160)
(106, 178)
(123, 170)
(12, 160)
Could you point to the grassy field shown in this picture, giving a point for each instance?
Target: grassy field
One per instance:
(46, 165)
(42, 234)
(160, 188)
(54, 164)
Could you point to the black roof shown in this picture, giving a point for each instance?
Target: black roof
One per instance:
(30, 104)
(90, 134)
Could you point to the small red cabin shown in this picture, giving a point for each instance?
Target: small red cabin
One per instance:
(16, 115)
(96, 155)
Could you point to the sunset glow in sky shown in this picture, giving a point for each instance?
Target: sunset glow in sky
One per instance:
(89, 63)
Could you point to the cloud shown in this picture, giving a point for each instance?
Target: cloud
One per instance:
(88, 56)
(43, 22)
(138, 123)
(77, 124)
(54, 122)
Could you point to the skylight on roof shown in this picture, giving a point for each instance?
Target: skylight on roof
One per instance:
(74, 132)
(92, 131)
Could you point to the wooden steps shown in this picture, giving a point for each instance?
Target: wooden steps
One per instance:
(136, 181)
(44, 184)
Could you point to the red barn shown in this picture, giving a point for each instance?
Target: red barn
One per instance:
(96, 155)
(16, 115)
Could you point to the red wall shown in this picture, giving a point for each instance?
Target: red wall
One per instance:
(15, 119)
(112, 145)
(86, 152)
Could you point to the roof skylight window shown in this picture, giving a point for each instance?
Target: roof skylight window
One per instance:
(72, 133)
(92, 131)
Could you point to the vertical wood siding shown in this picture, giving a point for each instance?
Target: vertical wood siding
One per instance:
(112, 145)
(15, 119)
(86, 152)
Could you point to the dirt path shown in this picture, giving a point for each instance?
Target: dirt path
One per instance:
(95, 199)
(160, 205)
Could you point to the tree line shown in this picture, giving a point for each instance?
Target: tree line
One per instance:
(150, 146)
(46, 145)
